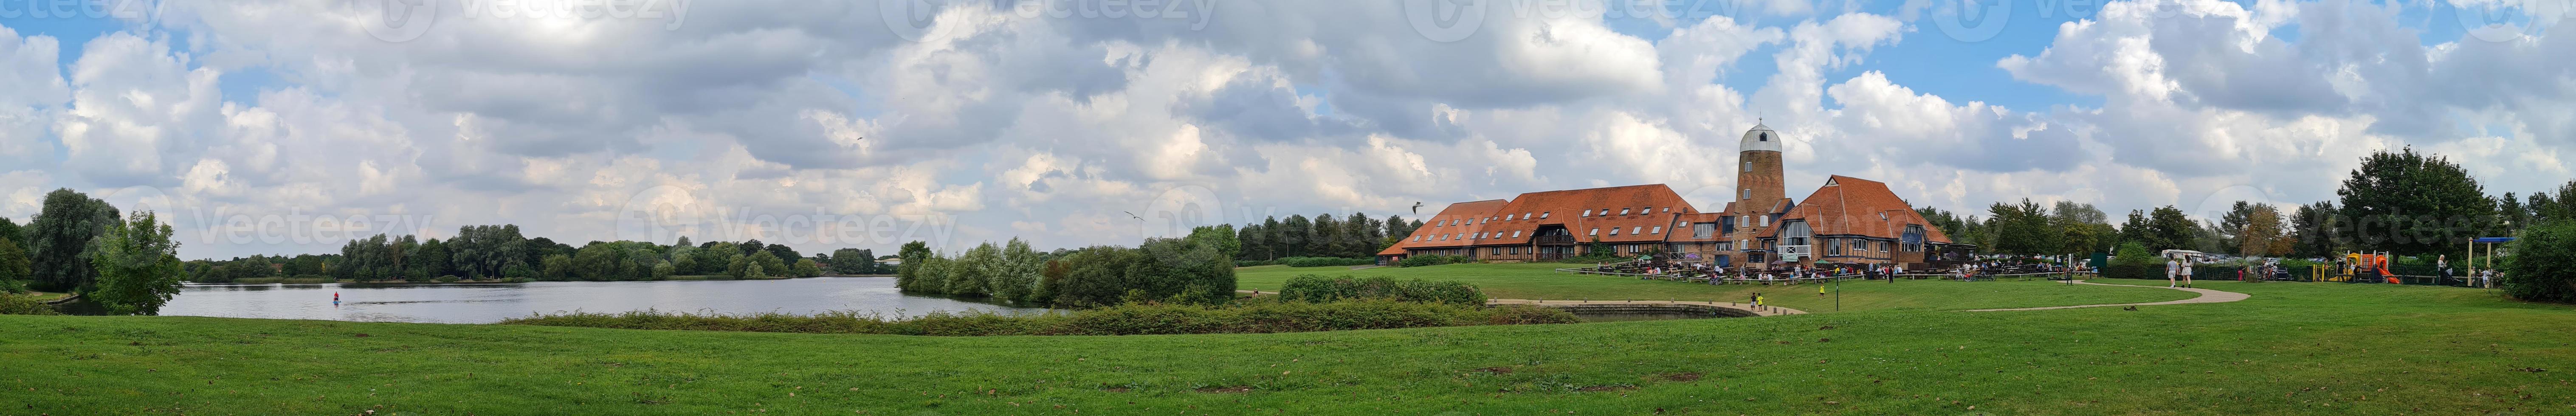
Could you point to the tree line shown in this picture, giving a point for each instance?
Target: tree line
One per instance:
(500, 252)
(1325, 235)
(2397, 201)
(1198, 269)
(126, 262)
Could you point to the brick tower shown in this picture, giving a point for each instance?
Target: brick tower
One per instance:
(1759, 197)
(1758, 170)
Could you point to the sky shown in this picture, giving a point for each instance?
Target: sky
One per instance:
(291, 126)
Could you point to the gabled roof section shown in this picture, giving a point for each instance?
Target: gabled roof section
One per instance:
(1853, 206)
(1452, 227)
(1636, 211)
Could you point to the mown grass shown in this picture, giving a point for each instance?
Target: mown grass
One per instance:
(1542, 281)
(1257, 316)
(2294, 348)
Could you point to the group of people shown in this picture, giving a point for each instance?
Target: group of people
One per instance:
(1765, 275)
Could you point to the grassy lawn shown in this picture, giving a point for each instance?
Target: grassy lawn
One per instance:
(2294, 348)
(1542, 281)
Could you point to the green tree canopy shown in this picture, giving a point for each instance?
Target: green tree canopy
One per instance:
(138, 266)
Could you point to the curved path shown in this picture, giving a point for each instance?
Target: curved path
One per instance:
(2206, 296)
(1756, 311)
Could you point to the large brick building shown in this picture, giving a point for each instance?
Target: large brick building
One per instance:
(1848, 220)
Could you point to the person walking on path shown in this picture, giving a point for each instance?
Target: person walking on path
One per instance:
(2186, 273)
(2172, 266)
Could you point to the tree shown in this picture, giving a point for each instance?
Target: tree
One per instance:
(595, 262)
(971, 273)
(1293, 237)
(138, 266)
(1327, 240)
(2314, 229)
(769, 264)
(1222, 237)
(2169, 229)
(1018, 280)
(2023, 229)
(2409, 203)
(1255, 245)
(783, 252)
(803, 268)
(15, 268)
(555, 267)
(2261, 236)
(58, 240)
(2543, 258)
(853, 261)
(908, 273)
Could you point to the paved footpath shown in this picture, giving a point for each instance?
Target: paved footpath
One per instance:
(2206, 296)
(1762, 311)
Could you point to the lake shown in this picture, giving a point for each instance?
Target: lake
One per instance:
(478, 303)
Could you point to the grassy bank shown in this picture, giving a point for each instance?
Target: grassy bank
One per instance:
(1260, 316)
(1542, 281)
(2294, 348)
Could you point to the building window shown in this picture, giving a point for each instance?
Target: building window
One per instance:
(1516, 234)
(1595, 231)
(1586, 213)
(1623, 211)
(1542, 215)
(1748, 193)
(1766, 220)
(1638, 230)
(1659, 229)
(1614, 231)
(1704, 230)
(1748, 166)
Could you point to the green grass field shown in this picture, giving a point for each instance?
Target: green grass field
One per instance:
(1542, 281)
(2294, 348)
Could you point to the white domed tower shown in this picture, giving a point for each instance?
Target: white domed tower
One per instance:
(1758, 170)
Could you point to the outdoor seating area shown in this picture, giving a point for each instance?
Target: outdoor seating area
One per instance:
(1651, 269)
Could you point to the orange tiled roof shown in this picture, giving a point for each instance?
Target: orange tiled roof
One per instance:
(1855, 206)
(1639, 213)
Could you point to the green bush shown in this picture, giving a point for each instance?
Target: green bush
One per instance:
(447, 279)
(1320, 289)
(1433, 260)
(24, 305)
(1126, 319)
(1324, 261)
(2543, 265)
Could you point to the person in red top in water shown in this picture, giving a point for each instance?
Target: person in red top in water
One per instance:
(335, 298)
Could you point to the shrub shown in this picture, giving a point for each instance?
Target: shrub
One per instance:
(1125, 319)
(1324, 261)
(1433, 260)
(2543, 265)
(447, 279)
(1319, 289)
(24, 305)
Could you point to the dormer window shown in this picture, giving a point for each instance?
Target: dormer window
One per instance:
(1542, 215)
(1623, 211)
(1762, 137)
(1586, 213)
(1595, 231)
(1614, 231)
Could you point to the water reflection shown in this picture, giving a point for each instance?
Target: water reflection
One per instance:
(486, 303)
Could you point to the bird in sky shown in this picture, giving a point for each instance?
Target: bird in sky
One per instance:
(1132, 215)
(1417, 208)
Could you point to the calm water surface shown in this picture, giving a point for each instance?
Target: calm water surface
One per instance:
(491, 302)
